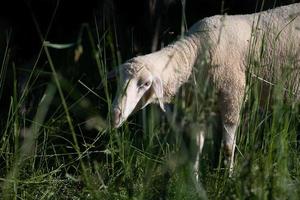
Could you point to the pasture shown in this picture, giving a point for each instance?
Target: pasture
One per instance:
(57, 142)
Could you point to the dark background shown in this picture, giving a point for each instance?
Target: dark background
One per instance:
(135, 22)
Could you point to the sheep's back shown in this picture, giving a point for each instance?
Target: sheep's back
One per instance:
(275, 49)
(266, 44)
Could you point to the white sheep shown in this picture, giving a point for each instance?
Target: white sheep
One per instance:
(227, 43)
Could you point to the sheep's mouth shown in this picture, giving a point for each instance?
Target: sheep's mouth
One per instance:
(118, 113)
(118, 125)
(118, 116)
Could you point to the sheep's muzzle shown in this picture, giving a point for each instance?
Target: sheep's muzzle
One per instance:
(116, 117)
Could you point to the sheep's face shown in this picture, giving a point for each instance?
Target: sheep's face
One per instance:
(136, 89)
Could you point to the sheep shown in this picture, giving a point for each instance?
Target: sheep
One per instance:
(226, 42)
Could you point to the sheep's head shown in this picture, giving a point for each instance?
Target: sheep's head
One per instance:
(137, 87)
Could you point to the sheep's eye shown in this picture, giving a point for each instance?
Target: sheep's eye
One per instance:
(144, 85)
(147, 84)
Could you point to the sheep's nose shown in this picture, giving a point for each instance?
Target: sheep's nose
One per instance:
(116, 117)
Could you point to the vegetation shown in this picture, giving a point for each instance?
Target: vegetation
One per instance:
(68, 150)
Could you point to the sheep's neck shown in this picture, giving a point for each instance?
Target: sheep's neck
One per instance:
(176, 68)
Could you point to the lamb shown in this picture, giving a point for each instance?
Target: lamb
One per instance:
(226, 43)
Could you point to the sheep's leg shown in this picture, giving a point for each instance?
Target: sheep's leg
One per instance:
(229, 142)
(199, 139)
(196, 146)
(231, 99)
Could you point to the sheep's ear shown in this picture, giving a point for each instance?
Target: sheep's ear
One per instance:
(159, 92)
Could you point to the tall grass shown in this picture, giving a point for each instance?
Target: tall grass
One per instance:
(69, 150)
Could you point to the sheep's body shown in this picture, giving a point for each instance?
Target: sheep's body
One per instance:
(227, 43)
